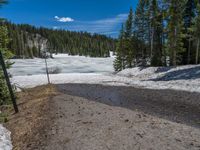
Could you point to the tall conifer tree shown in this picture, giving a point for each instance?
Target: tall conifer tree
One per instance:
(188, 17)
(119, 64)
(175, 30)
(156, 21)
(4, 40)
(128, 49)
(141, 23)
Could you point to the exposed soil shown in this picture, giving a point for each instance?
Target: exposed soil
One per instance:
(29, 126)
(95, 117)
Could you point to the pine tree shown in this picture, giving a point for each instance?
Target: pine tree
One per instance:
(119, 60)
(156, 29)
(175, 30)
(142, 28)
(128, 49)
(4, 94)
(188, 16)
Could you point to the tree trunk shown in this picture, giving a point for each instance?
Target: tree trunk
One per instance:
(152, 41)
(197, 51)
(174, 57)
(174, 48)
(189, 50)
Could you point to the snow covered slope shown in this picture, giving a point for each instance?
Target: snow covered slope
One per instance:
(180, 78)
(5, 140)
(164, 73)
(185, 78)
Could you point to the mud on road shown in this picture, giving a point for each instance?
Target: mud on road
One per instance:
(95, 117)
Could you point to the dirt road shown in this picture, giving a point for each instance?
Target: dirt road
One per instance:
(95, 117)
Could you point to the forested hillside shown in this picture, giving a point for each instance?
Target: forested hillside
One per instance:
(28, 41)
(160, 33)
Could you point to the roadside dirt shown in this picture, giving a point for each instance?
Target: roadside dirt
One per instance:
(95, 117)
(28, 127)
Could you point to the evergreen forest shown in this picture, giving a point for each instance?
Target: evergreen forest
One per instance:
(160, 33)
(27, 41)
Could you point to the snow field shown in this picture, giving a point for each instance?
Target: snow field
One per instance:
(80, 69)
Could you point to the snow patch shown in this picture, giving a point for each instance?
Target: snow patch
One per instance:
(5, 140)
(137, 72)
(112, 55)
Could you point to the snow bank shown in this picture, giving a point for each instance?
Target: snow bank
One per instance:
(80, 69)
(138, 72)
(185, 78)
(5, 140)
(188, 72)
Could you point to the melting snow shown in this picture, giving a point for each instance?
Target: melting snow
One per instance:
(64, 62)
(5, 140)
(80, 69)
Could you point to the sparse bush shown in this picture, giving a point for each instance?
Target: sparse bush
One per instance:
(54, 70)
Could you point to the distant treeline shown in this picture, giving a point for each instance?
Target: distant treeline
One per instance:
(28, 41)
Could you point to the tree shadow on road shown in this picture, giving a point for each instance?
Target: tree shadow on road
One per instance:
(177, 106)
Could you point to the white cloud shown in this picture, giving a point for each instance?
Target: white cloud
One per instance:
(55, 27)
(108, 26)
(112, 21)
(64, 19)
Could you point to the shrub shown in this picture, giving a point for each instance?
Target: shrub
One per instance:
(54, 70)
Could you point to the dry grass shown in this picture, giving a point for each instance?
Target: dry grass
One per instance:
(32, 118)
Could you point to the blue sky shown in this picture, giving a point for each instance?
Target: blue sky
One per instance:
(95, 16)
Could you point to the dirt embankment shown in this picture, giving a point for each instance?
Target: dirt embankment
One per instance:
(28, 127)
(95, 117)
